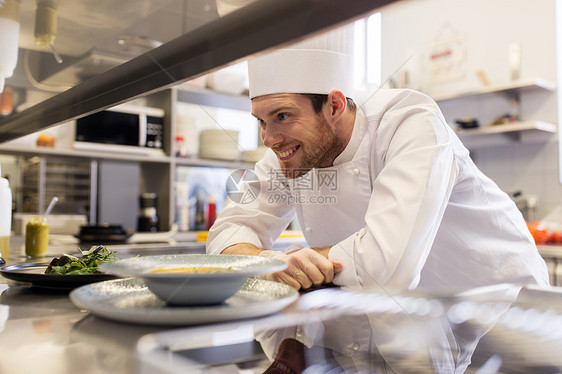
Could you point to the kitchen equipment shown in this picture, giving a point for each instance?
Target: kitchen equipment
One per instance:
(123, 128)
(467, 123)
(71, 180)
(103, 233)
(148, 217)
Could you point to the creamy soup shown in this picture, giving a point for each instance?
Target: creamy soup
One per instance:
(189, 270)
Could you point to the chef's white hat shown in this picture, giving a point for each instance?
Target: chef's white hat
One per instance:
(316, 65)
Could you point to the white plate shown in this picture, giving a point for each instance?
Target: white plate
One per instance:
(129, 300)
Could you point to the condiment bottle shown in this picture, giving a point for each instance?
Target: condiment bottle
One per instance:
(180, 146)
(5, 219)
(6, 102)
(211, 211)
(200, 211)
(36, 236)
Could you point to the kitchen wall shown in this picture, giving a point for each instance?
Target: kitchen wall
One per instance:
(481, 32)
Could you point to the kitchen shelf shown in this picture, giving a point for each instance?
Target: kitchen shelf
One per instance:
(513, 88)
(511, 127)
(92, 155)
(200, 162)
(179, 161)
(202, 96)
(508, 134)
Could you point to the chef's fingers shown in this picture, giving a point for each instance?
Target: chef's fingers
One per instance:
(294, 278)
(317, 268)
(338, 266)
(324, 266)
(316, 275)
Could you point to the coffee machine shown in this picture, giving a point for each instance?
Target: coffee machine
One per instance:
(148, 216)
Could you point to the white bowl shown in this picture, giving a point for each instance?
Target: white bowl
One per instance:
(193, 288)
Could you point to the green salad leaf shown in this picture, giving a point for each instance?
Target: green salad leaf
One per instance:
(87, 264)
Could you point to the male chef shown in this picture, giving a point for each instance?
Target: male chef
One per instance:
(385, 192)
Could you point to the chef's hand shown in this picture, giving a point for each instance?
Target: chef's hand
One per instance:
(306, 268)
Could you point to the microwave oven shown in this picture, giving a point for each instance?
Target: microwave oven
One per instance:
(123, 128)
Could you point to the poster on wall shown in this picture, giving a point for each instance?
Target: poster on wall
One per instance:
(447, 56)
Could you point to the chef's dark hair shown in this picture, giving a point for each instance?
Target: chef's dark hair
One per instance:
(319, 100)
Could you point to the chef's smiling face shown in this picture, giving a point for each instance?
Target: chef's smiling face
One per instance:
(301, 138)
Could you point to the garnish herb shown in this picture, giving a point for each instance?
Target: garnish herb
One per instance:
(87, 264)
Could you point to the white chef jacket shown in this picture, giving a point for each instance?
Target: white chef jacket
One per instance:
(403, 207)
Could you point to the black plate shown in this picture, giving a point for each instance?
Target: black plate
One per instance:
(35, 274)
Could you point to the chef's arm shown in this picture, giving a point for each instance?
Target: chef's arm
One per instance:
(242, 249)
(251, 249)
(417, 170)
(324, 251)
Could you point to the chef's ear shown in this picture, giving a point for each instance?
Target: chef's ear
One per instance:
(337, 103)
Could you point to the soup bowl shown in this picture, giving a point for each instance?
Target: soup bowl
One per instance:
(193, 279)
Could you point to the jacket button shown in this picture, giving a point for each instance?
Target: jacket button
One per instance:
(356, 171)
(308, 229)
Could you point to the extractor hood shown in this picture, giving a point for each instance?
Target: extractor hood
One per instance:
(94, 36)
(224, 40)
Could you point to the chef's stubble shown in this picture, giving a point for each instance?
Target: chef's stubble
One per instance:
(317, 152)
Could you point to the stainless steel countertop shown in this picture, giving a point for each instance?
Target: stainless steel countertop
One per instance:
(42, 331)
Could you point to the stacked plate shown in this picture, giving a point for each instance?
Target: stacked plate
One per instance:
(254, 155)
(219, 144)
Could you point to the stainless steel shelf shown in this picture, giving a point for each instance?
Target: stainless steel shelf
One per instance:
(92, 155)
(518, 132)
(509, 89)
(511, 127)
(213, 163)
(200, 96)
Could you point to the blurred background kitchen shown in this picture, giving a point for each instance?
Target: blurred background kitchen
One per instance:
(493, 67)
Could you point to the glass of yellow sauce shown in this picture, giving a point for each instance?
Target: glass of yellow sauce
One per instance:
(36, 236)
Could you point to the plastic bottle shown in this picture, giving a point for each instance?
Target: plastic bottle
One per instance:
(180, 146)
(9, 36)
(200, 212)
(211, 211)
(5, 218)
